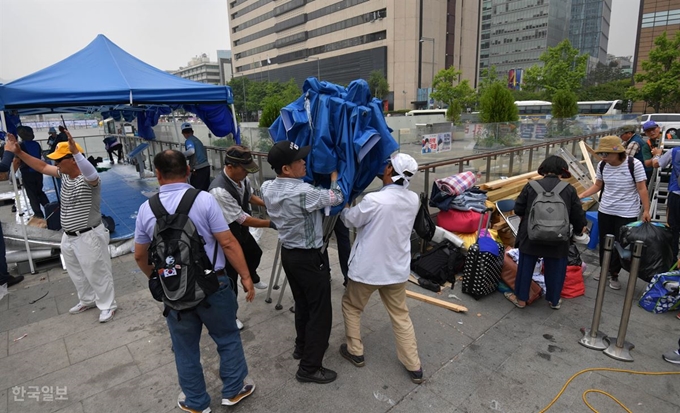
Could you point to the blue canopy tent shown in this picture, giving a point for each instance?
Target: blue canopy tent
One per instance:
(346, 129)
(102, 77)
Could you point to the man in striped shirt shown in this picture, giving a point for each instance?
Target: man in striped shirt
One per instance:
(295, 208)
(85, 242)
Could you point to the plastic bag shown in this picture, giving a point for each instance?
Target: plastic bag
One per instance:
(423, 224)
(574, 257)
(657, 256)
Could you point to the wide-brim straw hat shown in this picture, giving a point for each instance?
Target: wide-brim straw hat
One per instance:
(610, 144)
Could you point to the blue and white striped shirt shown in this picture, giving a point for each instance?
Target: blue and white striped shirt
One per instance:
(295, 208)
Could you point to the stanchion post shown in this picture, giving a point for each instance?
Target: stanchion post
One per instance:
(268, 299)
(619, 349)
(592, 337)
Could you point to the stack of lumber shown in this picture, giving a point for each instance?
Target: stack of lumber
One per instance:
(509, 189)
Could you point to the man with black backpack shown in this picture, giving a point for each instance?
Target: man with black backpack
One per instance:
(177, 236)
(233, 192)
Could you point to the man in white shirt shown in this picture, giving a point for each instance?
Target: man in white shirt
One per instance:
(380, 260)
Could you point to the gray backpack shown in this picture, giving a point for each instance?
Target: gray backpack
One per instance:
(549, 217)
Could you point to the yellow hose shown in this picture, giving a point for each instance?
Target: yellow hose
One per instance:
(647, 373)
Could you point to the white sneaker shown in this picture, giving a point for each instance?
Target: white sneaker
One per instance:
(261, 285)
(80, 307)
(239, 324)
(106, 315)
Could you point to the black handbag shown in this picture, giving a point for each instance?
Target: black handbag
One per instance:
(423, 225)
(440, 264)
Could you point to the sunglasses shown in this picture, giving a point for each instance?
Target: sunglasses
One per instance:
(602, 154)
(58, 161)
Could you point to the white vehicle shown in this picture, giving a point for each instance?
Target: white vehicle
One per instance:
(670, 122)
(422, 112)
(586, 108)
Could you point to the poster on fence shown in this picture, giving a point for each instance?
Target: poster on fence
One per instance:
(444, 142)
(436, 142)
(429, 144)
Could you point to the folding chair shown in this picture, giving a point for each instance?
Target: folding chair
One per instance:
(505, 207)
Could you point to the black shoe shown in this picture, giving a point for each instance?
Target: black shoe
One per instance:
(297, 353)
(14, 280)
(356, 360)
(14, 208)
(321, 376)
(416, 376)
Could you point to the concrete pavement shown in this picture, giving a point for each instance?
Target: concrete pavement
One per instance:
(495, 358)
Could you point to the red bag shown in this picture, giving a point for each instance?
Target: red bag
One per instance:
(509, 274)
(459, 221)
(573, 282)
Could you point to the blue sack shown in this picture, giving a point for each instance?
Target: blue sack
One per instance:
(662, 293)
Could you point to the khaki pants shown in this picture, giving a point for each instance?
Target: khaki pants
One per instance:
(394, 299)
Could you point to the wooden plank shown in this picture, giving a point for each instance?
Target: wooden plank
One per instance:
(434, 301)
(504, 192)
(503, 182)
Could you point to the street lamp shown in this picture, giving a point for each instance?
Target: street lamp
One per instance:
(318, 72)
(245, 109)
(430, 39)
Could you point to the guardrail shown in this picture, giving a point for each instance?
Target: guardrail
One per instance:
(487, 164)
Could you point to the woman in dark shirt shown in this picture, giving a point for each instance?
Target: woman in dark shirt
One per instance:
(554, 254)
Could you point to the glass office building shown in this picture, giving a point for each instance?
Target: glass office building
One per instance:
(589, 27)
(514, 34)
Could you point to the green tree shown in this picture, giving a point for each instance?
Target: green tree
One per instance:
(563, 107)
(488, 77)
(563, 68)
(602, 74)
(497, 105)
(278, 96)
(378, 84)
(660, 75)
(564, 104)
(614, 90)
(457, 97)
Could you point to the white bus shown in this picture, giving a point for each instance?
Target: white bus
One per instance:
(422, 112)
(588, 108)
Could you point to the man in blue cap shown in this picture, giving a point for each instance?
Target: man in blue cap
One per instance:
(651, 147)
(198, 159)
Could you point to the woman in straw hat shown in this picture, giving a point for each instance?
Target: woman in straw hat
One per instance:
(624, 182)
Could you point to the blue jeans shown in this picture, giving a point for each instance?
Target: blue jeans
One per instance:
(185, 331)
(555, 272)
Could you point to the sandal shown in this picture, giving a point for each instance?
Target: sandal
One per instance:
(513, 299)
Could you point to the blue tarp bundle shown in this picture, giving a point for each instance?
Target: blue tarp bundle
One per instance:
(346, 129)
(103, 77)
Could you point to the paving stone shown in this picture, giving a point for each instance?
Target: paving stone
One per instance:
(83, 380)
(152, 352)
(52, 329)
(155, 391)
(113, 334)
(4, 343)
(26, 366)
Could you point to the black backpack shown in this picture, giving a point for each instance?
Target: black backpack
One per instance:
(440, 264)
(178, 256)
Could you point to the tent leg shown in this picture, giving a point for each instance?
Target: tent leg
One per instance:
(20, 209)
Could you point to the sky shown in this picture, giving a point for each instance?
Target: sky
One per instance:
(166, 34)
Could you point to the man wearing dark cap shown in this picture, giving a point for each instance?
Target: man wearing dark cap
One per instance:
(650, 149)
(52, 139)
(32, 179)
(295, 208)
(632, 142)
(233, 192)
(198, 158)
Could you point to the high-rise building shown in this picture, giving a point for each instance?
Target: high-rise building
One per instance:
(589, 27)
(344, 40)
(224, 62)
(514, 33)
(656, 17)
(200, 69)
